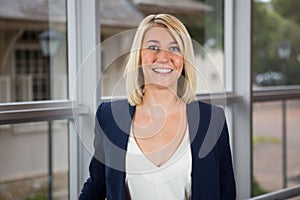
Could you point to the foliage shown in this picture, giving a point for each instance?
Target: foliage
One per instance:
(257, 189)
(38, 196)
(194, 24)
(264, 24)
(288, 9)
(269, 29)
(209, 25)
(214, 22)
(272, 23)
(265, 139)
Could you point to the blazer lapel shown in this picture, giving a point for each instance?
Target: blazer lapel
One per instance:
(121, 114)
(193, 115)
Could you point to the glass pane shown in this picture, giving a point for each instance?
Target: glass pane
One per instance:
(203, 19)
(33, 61)
(24, 155)
(267, 147)
(276, 43)
(293, 141)
(269, 161)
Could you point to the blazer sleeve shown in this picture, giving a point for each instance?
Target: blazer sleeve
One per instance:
(227, 180)
(95, 186)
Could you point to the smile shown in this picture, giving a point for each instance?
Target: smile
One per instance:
(162, 70)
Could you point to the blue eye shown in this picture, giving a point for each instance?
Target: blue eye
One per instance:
(153, 47)
(174, 49)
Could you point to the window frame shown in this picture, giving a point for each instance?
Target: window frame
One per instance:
(83, 32)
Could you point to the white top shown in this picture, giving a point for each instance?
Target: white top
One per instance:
(172, 180)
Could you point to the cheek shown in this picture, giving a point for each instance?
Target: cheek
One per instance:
(146, 58)
(178, 62)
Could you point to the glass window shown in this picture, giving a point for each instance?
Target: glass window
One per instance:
(204, 20)
(276, 48)
(33, 62)
(275, 66)
(25, 157)
(267, 147)
(272, 168)
(33, 67)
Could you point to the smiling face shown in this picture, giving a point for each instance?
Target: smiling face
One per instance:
(161, 59)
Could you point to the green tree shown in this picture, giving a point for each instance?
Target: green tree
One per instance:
(214, 22)
(264, 39)
(208, 25)
(288, 8)
(270, 27)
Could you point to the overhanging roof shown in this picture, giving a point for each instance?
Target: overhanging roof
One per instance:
(113, 13)
(172, 6)
(33, 10)
(119, 13)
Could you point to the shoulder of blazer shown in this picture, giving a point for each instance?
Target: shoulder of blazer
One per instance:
(116, 111)
(206, 107)
(114, 122)
(204, 113)
(206, 123)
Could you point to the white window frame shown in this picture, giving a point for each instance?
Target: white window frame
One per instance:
(83, 37)
(238, 57)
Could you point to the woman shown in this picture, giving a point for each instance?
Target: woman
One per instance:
(160, 143)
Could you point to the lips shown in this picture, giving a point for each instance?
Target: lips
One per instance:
(162, 70)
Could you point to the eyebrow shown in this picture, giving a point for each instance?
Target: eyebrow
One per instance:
(154, 41)
(157, 42)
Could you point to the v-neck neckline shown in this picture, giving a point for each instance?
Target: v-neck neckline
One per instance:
(175, 156)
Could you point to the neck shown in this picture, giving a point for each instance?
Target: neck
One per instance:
(163, 98)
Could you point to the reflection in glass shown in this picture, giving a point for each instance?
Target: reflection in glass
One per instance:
(24, 160)
(268, 146)
(204, 21)
(275, 50)
(275, 44)
(25, 73)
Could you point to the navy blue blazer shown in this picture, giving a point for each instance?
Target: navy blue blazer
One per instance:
(212, 171)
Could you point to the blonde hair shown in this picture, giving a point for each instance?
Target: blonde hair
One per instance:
(133, 73)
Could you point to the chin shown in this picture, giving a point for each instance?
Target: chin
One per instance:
(163, 86)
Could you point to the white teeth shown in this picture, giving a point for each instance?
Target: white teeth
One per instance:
(162, 70)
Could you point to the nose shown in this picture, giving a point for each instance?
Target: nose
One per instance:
(163, 56)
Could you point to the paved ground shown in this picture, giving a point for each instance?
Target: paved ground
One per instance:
(267, 153)
(35, 188)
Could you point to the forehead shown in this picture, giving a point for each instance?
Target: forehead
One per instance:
(160, 34)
